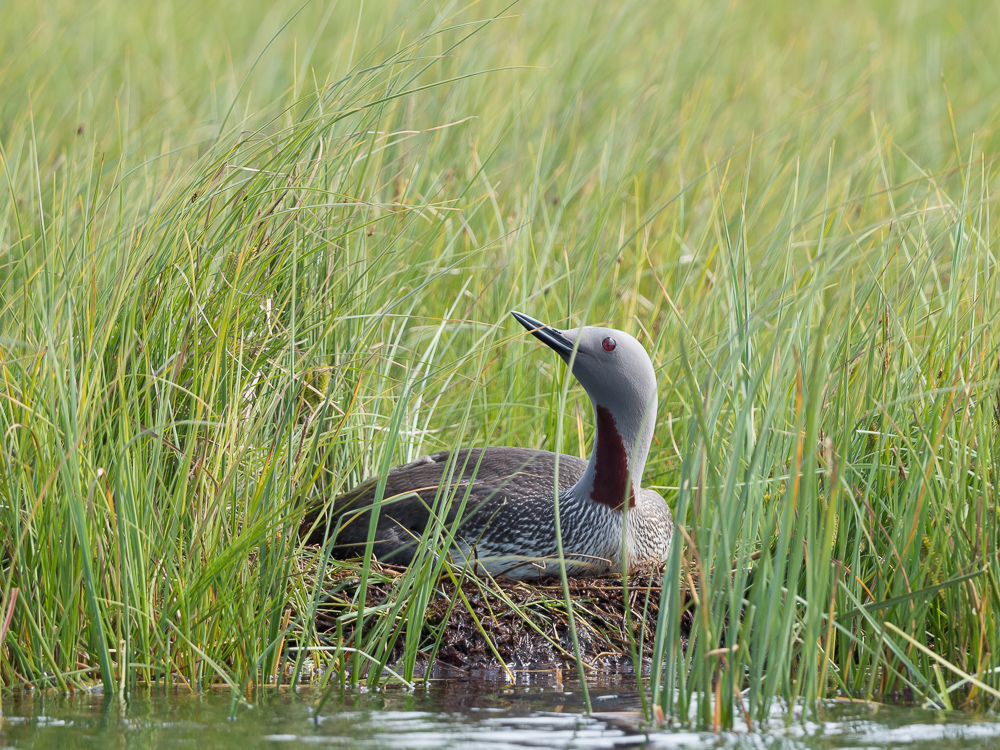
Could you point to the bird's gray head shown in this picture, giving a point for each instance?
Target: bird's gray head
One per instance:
(618, 376)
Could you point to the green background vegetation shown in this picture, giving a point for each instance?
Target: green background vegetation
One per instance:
(246, 261)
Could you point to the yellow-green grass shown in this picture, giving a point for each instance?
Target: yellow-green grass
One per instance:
(251, 253)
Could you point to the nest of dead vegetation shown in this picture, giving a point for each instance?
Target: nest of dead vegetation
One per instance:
(517, 624)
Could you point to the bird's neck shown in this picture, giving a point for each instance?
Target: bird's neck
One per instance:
(621, 444)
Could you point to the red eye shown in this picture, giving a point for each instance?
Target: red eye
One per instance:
(608, 344)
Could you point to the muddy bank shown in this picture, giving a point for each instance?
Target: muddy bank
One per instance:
(514, 623)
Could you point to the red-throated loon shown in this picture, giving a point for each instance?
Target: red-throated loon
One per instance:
(509, 526)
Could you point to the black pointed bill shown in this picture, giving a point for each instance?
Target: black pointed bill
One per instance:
(546, 334)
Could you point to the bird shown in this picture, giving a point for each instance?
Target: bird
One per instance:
(506, 496)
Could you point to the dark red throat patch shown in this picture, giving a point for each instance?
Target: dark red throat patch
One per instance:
(611, 463)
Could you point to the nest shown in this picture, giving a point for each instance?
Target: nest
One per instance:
(508, 624)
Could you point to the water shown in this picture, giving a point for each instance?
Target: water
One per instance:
(482, 711)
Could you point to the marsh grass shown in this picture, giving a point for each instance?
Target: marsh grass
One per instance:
(252, 258)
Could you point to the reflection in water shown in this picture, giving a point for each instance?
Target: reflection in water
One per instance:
(475, 711)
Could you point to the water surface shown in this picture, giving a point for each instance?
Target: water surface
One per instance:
(479, 711)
